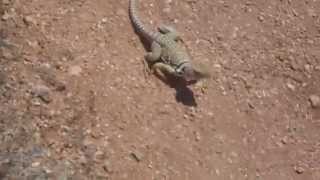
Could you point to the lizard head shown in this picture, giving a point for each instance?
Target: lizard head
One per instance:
(193, 72)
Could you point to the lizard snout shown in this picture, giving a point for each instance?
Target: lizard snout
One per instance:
(188, 74)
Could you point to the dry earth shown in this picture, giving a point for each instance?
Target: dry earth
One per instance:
(76, 103)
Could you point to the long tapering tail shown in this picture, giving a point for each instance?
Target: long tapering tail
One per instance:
(137, 23)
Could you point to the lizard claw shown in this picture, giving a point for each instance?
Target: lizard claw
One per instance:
(146, 70)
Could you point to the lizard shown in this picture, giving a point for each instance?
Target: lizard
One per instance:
(167, 56)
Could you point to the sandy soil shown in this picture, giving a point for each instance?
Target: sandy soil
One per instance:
(76, 103)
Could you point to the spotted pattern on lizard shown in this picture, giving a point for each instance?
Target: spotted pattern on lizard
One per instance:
(167, 56)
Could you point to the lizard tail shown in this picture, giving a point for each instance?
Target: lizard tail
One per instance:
(137, 23)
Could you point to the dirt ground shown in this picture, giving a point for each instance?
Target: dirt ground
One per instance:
(76, 102)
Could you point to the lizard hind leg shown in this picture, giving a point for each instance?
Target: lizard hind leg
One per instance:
(152, 56)
(164, 29)
(163, 70)
(155, 53)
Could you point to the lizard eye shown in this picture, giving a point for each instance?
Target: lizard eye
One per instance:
(181, 71)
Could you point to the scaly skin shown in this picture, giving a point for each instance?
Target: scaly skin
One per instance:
(166, 56)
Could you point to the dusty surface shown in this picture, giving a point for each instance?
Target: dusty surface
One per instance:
(76, 103)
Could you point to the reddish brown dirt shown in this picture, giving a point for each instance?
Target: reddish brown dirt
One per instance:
(76, 103)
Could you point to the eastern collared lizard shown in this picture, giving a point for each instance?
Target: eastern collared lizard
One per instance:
(167, 55)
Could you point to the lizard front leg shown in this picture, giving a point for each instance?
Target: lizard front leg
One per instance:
(170, 32)
(163, 70)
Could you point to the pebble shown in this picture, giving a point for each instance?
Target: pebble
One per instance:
(28, 20)
(261, 18)
(285, 140)
(308, 68)
(315, 101)
(35, 164)
(137, 156)
(299, 170)
(83, 160)
(47, 170)
(291, 86)
(107, 166)
(43, 92)
(197, 136)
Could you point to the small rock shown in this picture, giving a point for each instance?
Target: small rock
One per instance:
(197, 136)
(217, 172)
(315, 101)
(104, 20)
(43, 92)
(36, 103)
(291, 86)
(35, 164)
(308, 68)
(28, 20)
(75, 70)
(137, 156)
(299, 169)
(34, 44)
(47, 170)
(285, 140)
(261, 18)
(83, 160)
(193, 112)
(211, 114)
(107, 166)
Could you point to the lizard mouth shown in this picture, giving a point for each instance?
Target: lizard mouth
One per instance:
(190, 81)
(187, 73)
(190, 77)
